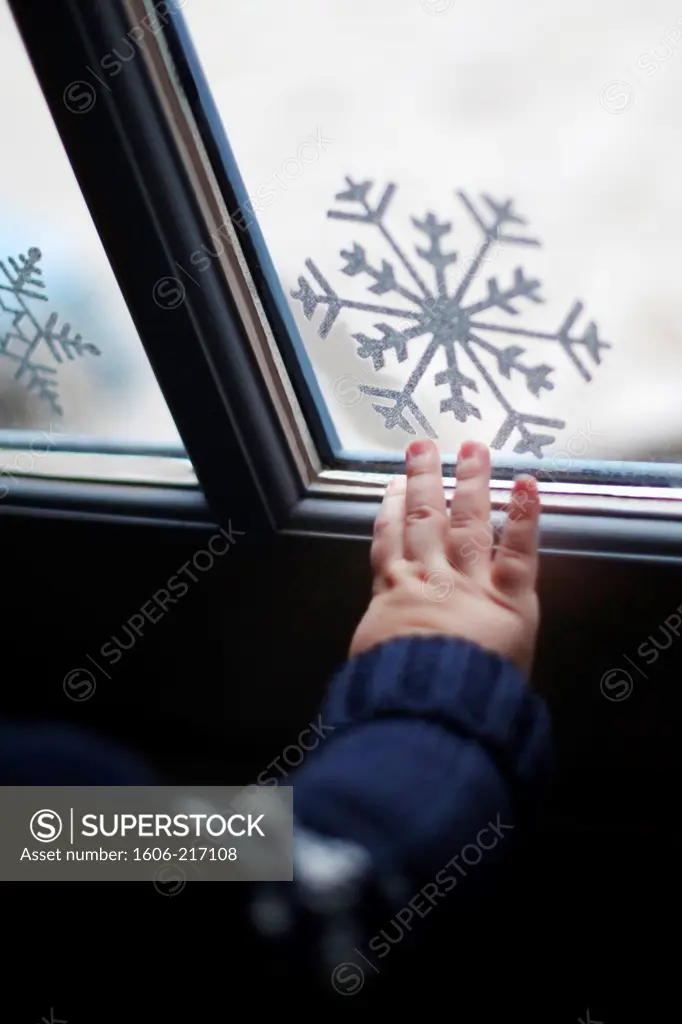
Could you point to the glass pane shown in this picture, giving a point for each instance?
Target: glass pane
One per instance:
(474, 209)
(70, 358)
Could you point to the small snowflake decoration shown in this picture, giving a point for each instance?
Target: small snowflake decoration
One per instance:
(28, 342)
(449, 320)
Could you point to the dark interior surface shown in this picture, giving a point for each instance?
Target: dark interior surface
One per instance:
(216, 690)
(239, 665)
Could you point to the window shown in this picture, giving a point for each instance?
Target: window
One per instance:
(544, 136)
(73, 373)
(340, 226)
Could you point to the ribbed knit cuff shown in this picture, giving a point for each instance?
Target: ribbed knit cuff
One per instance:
(466, 689)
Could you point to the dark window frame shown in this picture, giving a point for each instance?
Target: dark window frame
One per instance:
(217, 398)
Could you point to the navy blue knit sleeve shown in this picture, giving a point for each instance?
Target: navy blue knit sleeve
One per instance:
(432, 740)
(437, 757)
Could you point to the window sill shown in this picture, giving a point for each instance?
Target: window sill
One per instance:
(105, 502)
(95, 466)
(586, 520)
(633, 528)
(598, 499)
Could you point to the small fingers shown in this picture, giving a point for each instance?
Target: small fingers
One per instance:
(515, 565)
(425, 509)
(387, 542)
(471, 534)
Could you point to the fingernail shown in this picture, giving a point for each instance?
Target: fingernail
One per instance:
(524, 497)
(471, 457)
(418, 448)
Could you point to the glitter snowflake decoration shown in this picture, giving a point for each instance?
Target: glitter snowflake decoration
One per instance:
(28, 342)
(449, 320)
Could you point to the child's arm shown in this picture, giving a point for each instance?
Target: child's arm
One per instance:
(436, 752)
(434, 732)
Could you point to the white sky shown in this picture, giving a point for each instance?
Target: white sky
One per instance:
(491, 96)
(41, 205)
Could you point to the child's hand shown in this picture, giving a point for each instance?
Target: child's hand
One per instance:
(436, 574)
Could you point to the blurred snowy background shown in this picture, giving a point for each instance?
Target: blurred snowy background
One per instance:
(112, 395)
(571, 109)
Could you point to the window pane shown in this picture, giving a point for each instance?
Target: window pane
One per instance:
(70, 358)
(540, 143)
